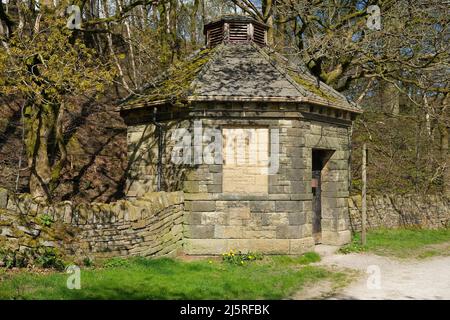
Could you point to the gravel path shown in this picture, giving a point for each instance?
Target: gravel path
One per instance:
(399, 279)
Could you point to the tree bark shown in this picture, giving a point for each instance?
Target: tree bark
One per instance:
(390, 98)
(444, 140)
(194, 23)
(268, 19)
(132, 58)
(113, 53)
(38, 127)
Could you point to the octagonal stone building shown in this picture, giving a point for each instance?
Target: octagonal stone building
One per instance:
(259, 146)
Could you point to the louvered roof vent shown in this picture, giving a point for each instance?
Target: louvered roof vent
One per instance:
(235, 29)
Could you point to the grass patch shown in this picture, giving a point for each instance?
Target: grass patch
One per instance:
(309, 257)
(402, 243)
(273, 277)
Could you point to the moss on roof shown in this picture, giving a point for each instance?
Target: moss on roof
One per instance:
(311, 87)
(301, 78)
(175, 85)
(234, 71)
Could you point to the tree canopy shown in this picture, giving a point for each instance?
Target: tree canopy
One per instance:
(59, 84)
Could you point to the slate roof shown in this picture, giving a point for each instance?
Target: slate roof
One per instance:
(238, 72)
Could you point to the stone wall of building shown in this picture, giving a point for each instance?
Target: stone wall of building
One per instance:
(150, 225)
(157, 224)
(281, 220)
(274, 218)
(394, 211)
(143, 157)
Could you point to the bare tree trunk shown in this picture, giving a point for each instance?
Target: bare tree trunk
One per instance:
(281, 34)
(38, 129)
(143, 16)
(268, 19)
(113, 54)
(364, 196)
(445, 156)
(130, 46)
(194, 23)
(390, 98)
(172, 27)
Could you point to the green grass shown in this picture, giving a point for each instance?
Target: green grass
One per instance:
(273, 277)
(403, 243)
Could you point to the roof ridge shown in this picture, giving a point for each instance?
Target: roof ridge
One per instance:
(157, 80)
(322, 84)
(215, 54)
(306, 73)
(292, 81)
(301, 90)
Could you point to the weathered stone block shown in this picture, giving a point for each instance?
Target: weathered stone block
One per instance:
(215, 168)
(189, 197)
(214, 218)
(6, 232)
(300, 187)
(32, 230)
(175, 197)
(200, 232)
(334, 202)
(191, 186)
(228, 232)
(274, 219)
(214, 188)
(288, 206)
(259, 234)
(205, 246)
(300, 246)
(336, 238)
(289, 232)
(239, 213)
(194, 217)
(134, 213)
(262, 206)
(297, 218)
(279, 189)
(3, 198)
(203, 206)
(12, 203)
(269, 246)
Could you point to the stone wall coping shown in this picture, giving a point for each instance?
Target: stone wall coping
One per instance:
(132, 209)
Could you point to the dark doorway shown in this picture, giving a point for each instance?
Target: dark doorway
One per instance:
(319, 159)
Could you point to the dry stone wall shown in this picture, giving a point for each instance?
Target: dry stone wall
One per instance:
(150, 225)
(393, 211)
(156, 224)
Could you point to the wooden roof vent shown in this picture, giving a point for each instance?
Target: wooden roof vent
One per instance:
(235, 29)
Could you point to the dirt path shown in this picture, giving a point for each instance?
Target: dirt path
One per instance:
(399, 279)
